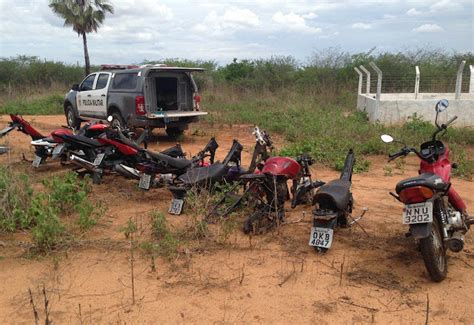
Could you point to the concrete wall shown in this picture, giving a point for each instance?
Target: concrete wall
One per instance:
(397, 108)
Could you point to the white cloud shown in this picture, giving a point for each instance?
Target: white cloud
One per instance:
(142, 8)
(224, 29)
(428, 28)
(446, 5)
(242, 17)
(310, 15)
(231, 20)
(363, 26)
(413, 12)
(294, 22)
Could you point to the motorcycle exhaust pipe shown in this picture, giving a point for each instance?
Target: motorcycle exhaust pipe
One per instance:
(456, 242)
(126, 171)
(83, 163)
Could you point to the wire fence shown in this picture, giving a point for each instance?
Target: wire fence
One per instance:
(394, 82)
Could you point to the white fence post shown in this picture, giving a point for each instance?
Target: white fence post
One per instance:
(361, 78)
(417, 81)
(379, 80)
(367, 72)
(459, 80)
(471, 80)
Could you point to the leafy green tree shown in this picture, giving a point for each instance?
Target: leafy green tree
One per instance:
(85, 16)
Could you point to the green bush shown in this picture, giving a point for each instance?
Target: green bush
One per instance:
(16, 192)
(47, 229)
(49, 105)
(165, 242)
(159, 225)
(31, 71)
(42, 212)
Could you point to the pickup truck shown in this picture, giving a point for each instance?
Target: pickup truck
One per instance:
(149, 96)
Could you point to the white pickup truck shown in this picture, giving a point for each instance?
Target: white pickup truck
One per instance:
(153, 96)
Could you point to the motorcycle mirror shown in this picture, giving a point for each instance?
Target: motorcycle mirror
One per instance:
(386, 138)
(442, 105)
(109, 118)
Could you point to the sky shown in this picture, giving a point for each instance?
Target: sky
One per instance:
(221, 30)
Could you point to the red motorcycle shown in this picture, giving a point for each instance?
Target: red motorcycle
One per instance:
(45, 146)
(433, 210)
(271, 191)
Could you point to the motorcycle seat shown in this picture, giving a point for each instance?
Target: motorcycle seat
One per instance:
(337, 191)
(429, 180)
(82, 140)
(178, 163)
(208, 174)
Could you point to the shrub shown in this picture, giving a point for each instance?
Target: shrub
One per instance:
(52, 104)
(42, 211)
(159, 225)
(15, 194)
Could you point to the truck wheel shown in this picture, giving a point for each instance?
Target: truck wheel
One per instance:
(174, 132)
(71, 118)
(117, 121)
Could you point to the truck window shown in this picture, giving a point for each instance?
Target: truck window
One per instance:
(102, 81)
(88, 83)
(125, 81)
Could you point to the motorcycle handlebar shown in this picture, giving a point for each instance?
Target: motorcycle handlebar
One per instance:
(405, 151)
(395, 156)
(451, 121)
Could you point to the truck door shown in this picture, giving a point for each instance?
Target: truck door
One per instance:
(84, 96)
(99, 95)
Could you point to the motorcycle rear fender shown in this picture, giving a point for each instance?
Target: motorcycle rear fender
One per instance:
(420, 231)
(321, 223)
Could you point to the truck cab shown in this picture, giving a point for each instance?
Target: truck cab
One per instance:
(151, 96)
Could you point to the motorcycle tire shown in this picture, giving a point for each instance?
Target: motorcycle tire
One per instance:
(434, 253)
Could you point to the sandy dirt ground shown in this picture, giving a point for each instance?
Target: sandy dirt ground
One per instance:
(370, 275)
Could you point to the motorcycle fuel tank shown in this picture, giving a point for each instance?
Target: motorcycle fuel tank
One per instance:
(281, 166)
(57, 133)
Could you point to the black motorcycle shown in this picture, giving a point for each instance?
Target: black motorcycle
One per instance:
(333, 206)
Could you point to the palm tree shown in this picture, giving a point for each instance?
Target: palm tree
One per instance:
(84, 16)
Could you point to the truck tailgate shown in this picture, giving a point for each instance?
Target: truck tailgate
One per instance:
(175, 114)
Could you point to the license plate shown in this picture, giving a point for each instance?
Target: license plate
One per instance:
(145, 180)
(58, 150)
(37, 161)
(176, 206)
(98, 159)
(418, 213)
(321, 237)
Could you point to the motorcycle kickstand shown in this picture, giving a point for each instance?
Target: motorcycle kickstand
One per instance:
(355, 221)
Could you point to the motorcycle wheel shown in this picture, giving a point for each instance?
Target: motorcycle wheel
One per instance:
(434, 253)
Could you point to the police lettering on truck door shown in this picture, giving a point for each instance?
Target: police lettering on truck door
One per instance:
(84, 95)
(99, 95)
(92, 102)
